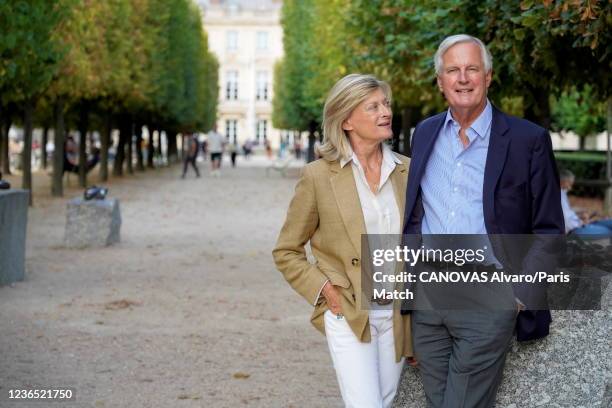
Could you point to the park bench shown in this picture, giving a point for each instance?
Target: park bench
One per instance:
(280, 165)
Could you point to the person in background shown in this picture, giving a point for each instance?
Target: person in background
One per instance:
(215, 146)
(233, 151)
(582, 224)
(191, 154)
(247, 148)
(297, 148)
(205, 149)
(268, 148)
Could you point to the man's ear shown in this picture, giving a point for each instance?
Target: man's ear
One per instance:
(439, 82)
(488, 78)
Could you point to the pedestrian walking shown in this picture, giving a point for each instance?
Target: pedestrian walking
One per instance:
(215, 146)
(191, 154)
(233, 151)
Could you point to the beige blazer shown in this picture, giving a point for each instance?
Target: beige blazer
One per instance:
(326, 211)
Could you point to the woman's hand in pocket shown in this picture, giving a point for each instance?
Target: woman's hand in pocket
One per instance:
(332, 298)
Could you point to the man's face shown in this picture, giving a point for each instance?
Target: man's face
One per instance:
(463, 79)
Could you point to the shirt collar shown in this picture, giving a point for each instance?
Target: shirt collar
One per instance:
(389, 158)
(482, 123)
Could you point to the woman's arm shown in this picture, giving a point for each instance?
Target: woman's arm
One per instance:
(289, 254)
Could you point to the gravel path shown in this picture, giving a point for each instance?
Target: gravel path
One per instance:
(187, 311)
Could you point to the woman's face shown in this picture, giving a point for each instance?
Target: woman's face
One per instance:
(371, 119)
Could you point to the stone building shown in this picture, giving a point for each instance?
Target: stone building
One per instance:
(246, 37)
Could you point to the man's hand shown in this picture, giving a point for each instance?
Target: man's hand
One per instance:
(332, 297)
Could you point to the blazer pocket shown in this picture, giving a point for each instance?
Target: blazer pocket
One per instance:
(336, 278)
(339, 280)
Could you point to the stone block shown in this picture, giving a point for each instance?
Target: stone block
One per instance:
(13, 223)
(572, 367)
(92, 223)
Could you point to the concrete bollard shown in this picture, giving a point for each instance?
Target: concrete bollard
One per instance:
(13, 223)
(92, 223)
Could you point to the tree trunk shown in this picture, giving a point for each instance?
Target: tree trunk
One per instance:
(2, 119)
(124, 130)
(57, 186)
(26, 154)
(150, 148)
(4, 146)
(83, 126)
(105, 138)
(43, 147)
(608, 193)
(182, 151)
(172, 150)
(538, 108)
(310, 154)
(139, 158)
(407, 125)
(158, 149)
(130, 148)
(396, 128)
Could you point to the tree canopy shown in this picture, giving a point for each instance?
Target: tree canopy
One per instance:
(541, 50)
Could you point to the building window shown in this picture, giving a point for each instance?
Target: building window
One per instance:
(231, 85)
(232, 40)
(261, 133)
(261, 93)
(231, 133)
(262, 40)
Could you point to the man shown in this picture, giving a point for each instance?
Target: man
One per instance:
(191, 154)
(215, 147)
(582, 225)
(476, 170)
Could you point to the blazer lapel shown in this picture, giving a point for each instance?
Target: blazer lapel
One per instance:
(496, 159)
(419, 162)
(399, 179)
(347, 198)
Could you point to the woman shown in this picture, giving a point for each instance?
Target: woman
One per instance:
(357, 187)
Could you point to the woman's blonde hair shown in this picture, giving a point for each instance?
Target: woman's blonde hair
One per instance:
(342, 99)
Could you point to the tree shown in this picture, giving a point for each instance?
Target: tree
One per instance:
(300, 113)
(30, 57)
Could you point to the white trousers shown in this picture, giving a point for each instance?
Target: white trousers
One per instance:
(367, 373)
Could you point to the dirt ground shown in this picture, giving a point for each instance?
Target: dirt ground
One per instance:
(187, 311)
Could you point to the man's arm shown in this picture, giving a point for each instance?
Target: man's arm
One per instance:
(547, 221)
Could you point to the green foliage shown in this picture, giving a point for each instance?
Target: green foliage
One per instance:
(540, 49)
(147, 58)
(29, 57)
(298, 67)
(579, 112)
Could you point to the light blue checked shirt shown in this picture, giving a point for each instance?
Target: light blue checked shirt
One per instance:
(454, 178)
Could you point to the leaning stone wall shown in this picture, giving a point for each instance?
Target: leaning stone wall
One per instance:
(572, 367)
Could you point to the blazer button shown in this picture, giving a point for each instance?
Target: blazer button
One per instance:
(355, 261)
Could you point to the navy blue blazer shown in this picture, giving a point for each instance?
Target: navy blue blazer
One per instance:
(521, 193)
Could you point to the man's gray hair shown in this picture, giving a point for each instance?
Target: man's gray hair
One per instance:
(565, 174)
(458, 39)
